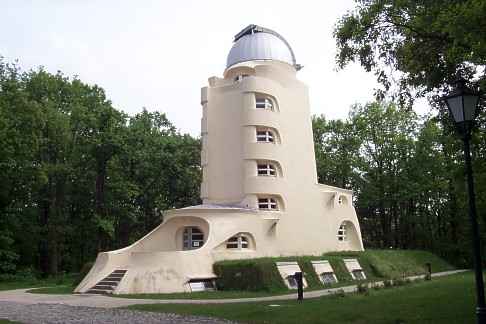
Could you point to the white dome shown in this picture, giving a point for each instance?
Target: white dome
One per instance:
(258, 43)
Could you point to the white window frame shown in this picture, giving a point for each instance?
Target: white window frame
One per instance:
(265, 136)
(267, 203)
(266, 169)
(238, 242)
(264, 102)
(192, 238)
(341, 234)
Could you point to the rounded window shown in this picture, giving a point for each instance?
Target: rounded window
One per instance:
(192, 238)
(238, 242)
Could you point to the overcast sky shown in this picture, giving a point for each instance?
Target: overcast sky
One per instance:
(158, 54)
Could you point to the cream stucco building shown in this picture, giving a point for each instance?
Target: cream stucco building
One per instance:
(260, 192)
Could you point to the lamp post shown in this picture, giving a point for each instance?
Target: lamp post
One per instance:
(462, 104)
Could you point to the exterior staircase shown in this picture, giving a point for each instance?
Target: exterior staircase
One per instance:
(108, 284)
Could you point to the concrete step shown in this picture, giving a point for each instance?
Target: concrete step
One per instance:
(115, 276)
(108, 283)
(98, 291)
(120, 271)
(102, 287)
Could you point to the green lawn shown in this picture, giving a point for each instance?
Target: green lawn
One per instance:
(442, 300)
(4, 321)
(55, 284)
(55, 290)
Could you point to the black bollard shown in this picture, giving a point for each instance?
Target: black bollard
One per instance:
(428, 276)
(300, 285)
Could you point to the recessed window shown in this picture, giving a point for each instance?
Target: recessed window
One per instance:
(240, 77)
(267, 204)
(340, 200)
(263, 102)
(358, 275)
(266, 169)
(292, 282)
(265, 135)
(328, 278)
(201, 285)
(192, 238)
(239, 242)
(341, 235)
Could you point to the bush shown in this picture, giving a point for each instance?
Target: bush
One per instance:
(387, 283)
(253, 275)
(362, 288)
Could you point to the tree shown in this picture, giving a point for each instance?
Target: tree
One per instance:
(79, 176)
(416, 47)
(336, 148)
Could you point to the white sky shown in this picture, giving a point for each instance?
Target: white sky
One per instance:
(158, 54)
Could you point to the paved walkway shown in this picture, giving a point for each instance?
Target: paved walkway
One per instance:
(22, 297)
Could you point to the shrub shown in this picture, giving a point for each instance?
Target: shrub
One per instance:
(387, 283)
(362, 288)
(254, 275)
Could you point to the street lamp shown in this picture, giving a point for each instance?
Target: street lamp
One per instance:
(463, 106)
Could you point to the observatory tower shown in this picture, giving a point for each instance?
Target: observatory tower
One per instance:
(259, 190)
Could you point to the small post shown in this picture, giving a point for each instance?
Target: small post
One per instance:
(300, 286)
(428, 275)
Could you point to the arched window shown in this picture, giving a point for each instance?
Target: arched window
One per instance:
(192, 238)
(267, 203)
(264, 102)
(239, 241)
(266, 169)
(265, 135)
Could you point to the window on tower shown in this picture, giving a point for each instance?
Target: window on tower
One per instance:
(266, 169)
(267, 203)
(341, 235)
(240, 77)
(264, 102)
(265, 135)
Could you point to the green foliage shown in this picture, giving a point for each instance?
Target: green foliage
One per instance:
(79, 176)
(262, 275)
(407, 177)
(415, 47)
(403, 263)
(362, 288)
(253, 275)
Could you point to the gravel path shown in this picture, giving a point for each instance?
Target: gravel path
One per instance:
(63, 314)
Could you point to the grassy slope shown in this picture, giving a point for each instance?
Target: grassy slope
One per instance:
(445, 300)
(378, 265)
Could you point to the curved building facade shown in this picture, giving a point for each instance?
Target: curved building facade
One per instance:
(259, 190)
